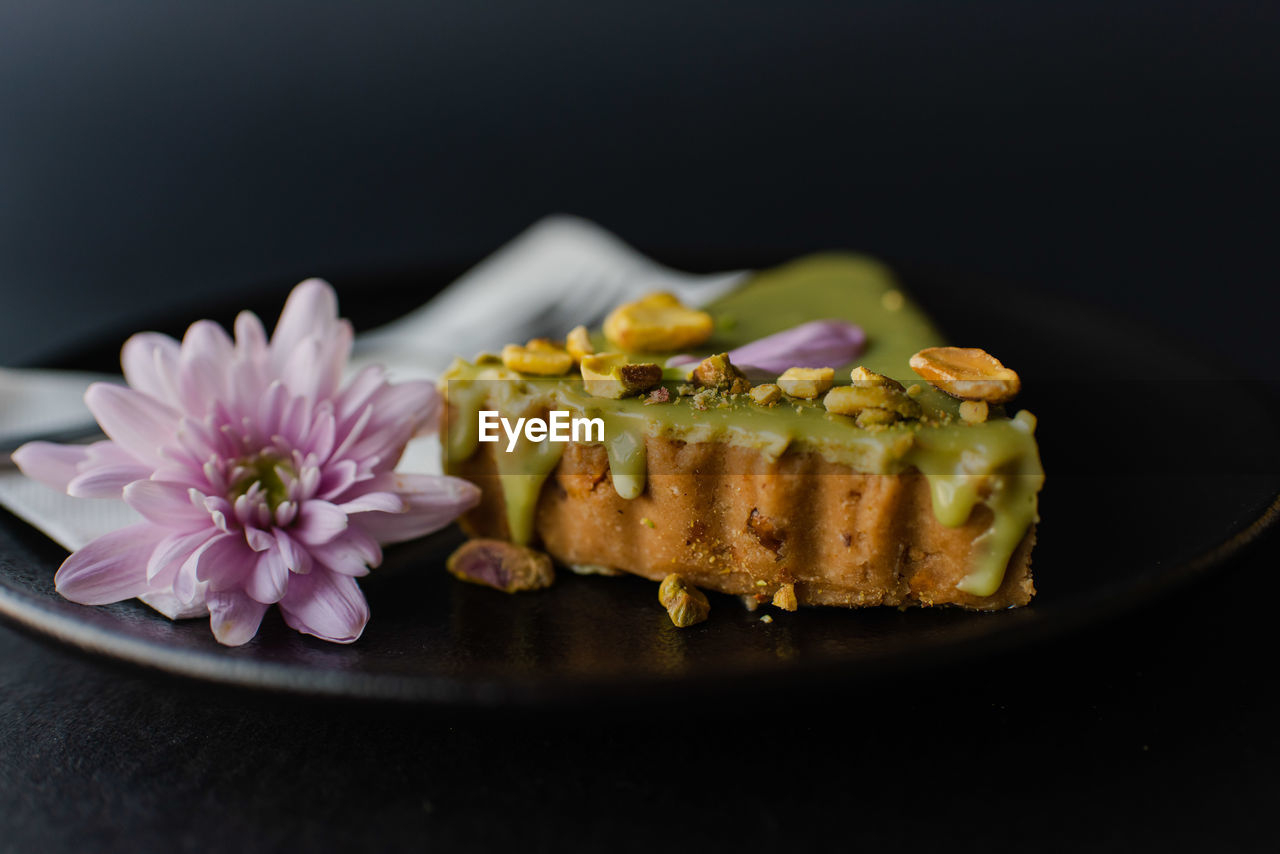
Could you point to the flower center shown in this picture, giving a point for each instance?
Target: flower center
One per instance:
(269, 471)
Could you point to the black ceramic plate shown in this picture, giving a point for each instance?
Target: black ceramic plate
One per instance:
(1147, 488)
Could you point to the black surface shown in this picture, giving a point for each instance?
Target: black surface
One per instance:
(1129, 513)
(1122, 152)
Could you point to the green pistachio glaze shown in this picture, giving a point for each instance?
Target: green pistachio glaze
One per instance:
(995, 463)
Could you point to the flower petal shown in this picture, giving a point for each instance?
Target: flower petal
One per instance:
(203, 377)
(350, 554)
(225, 562)
(251, 338)
(327, 605)
(296, 558)
(434, 501)
(138, 423)
(384, 502)
(111, 568)
(150, 364)
(312, 307)
(234, 617)
(258, 539)
(269, 579)
(318, 522)
(171, 553)
(304, 372)
(106, 481)
(51, 464)
(167, 504)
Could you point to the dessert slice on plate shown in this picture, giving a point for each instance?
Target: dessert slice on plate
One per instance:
(807, 439)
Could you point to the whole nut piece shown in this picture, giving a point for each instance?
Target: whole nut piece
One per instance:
(610, 375)
(967, 373)
(501, 565)
(806, 383)
(685, 604)
(855, 399)
(657, 323)
(539, 356)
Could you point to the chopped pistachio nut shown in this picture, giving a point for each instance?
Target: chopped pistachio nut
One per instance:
(974, 411)
(853, 399)
(578, 343)
(501, 565)
(766, 619)
(766, 394)
(657, 323)
(876, 417)
(785, 598)
(968, 373)
(806, 383)
(861, 376)
(537, 358)
(719, 373)
(647, 522)
(685, 604)
(610, 375)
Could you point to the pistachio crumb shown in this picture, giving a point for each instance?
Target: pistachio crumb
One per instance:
(974, 411)
(647, 522)
(785, 598)
(766, 394)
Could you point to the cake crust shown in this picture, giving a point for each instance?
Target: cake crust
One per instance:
(730, 519)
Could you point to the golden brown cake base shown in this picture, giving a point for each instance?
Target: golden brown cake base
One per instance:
(729, 519)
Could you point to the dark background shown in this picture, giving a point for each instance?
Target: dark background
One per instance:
(1122, 153)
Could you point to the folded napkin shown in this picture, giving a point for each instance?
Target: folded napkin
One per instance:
(560, 272)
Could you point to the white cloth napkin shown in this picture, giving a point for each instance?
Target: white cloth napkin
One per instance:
(560, 272)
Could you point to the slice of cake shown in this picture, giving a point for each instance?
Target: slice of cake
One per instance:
(894, 478)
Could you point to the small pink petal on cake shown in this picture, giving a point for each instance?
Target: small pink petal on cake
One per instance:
(816, 344)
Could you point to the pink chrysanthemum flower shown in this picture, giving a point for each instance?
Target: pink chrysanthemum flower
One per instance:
(261, 478)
